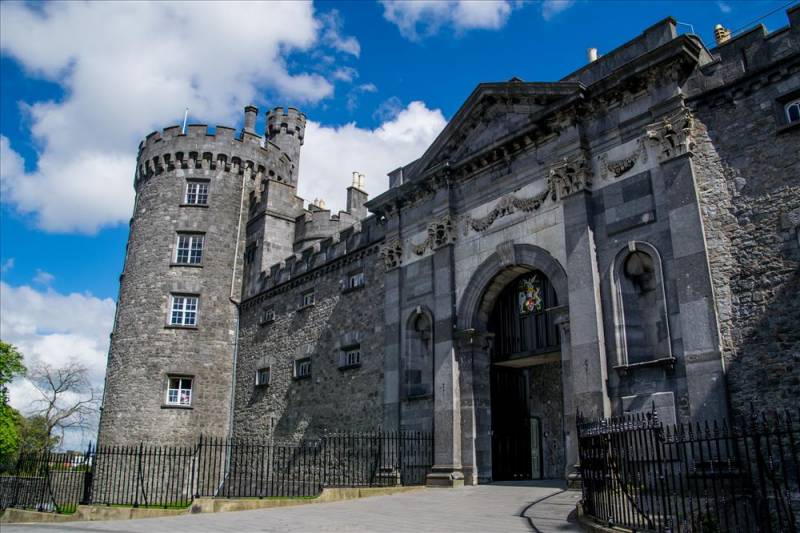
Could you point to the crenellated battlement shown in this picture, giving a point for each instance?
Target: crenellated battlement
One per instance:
(745, 63)
(200, 148)
(289, 122)
(317, 224)
(341, 247)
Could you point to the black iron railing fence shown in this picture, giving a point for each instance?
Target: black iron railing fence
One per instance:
(644, 475)
(154, 476)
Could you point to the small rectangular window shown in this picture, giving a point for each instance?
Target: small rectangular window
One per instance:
(184, 310)
(189, 249)
(351, 356)
(308, 298)
(179, 391)
(262, 376)
(197, 193)
(267, 315)
(355, 280)
(302, 368)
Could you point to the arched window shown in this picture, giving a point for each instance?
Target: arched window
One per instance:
(418, 368)
(642, 328)
(520, 320)
(792, 111)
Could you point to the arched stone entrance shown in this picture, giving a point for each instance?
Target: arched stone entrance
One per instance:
(505, 399)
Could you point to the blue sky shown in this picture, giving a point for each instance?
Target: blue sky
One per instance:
(81, 84)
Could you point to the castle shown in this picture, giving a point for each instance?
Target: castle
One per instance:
(626, 238)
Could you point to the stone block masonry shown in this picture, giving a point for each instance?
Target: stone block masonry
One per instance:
(339, 393)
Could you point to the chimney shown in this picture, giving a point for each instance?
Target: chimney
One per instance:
(591, 55)
(250, 114)
(721, 34)
(357, 197)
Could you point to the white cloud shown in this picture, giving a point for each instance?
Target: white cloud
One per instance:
(54, 328)
(331, 154)
(7, 265)
(43, 278)
(346, 74)
(331, 34)
(724, 7)
(128, 68)
(551, 8)
(425, 17)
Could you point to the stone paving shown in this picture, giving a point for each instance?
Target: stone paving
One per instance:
(541, 507)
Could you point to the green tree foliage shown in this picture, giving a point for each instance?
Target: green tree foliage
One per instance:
(10, 367)
(34, 435)
(10, 423)
(10, 420)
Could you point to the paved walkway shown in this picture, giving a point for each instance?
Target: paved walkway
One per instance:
(542, 507)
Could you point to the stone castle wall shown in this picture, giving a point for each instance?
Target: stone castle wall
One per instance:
(334, 397)
(748, 175)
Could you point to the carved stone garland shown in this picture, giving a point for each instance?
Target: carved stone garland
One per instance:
(673, 135)
(507, 205)
(618, 167)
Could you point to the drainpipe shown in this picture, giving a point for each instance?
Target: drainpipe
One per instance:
(237, 307)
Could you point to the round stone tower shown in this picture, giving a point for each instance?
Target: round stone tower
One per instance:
(287, 131)
(172, 351)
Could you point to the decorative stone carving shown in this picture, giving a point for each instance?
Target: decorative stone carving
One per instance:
(440, 232)
(568, 176)
(392, 254)
(618, 167)
(673, 135)
(507, 205)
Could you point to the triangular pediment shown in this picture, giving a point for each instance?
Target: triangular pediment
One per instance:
(492, 112)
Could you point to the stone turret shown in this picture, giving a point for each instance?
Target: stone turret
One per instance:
(287, 129)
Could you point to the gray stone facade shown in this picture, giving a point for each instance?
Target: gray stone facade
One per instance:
(656, 190)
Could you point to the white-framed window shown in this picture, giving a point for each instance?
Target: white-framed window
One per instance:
(179, 390)
(308, 298)
(302, 368)
(355, 280)
(351, 356)
(183, 310)
(792, 110)
(267, 314)
(197, 192)
(189, 249)
(262, 376)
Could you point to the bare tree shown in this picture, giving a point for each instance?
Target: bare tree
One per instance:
(68, 401)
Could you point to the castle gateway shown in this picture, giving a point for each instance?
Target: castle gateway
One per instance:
(622, 240)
